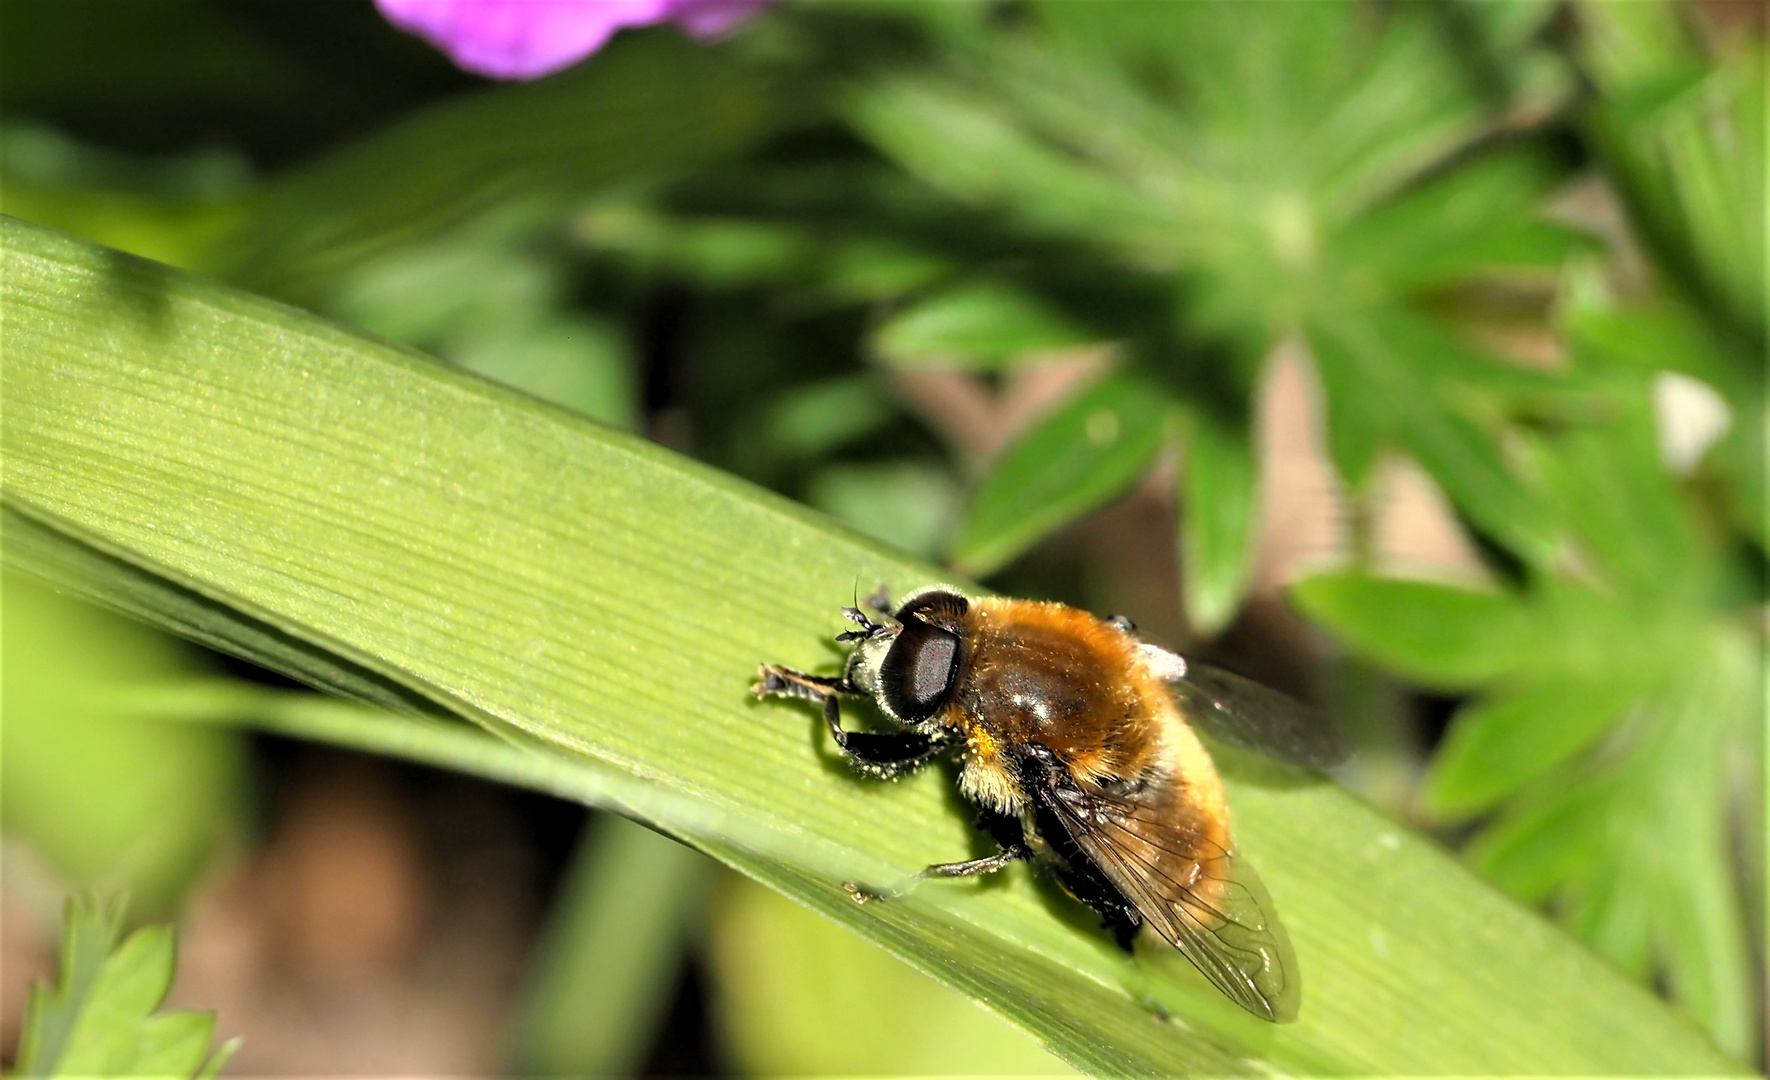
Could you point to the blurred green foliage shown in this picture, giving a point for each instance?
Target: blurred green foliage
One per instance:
(100, 1018)
(750, 250)
(105, 798)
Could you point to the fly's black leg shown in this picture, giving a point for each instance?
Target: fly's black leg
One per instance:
(1042, 776)
(1116, 913)
(777, 681)
(1124, 926)
(880, 601)
(1004, 829)
(885, 755)
(1084, 881)
(989, 864)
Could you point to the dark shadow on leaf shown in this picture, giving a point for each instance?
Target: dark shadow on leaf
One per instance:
(137, 287)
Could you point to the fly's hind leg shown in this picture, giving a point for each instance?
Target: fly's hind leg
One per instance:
(886, 755)
(1001, 828)
(1117, 915)
(989, 864)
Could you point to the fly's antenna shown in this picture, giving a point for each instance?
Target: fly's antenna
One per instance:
(859, 618)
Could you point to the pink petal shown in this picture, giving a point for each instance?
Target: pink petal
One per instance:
(705, 18)
(520, 39)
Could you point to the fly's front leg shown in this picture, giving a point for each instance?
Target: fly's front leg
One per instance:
(885, 755)
(777, 681)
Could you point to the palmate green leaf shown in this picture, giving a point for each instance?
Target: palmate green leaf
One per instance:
(1622, 506)
(971, 147)
(1613, 719)
(1465, 223)
(1189, 137)
(599, 604)
(1684, 921)
(1310, 170)
(1682, 135)
(1651, 336)
(1075, 460)
(89, 934)
(1377, 386)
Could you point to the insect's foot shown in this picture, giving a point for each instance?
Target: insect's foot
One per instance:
(859, 893)
(777, 681)
(770, 683)
(1157, 1011)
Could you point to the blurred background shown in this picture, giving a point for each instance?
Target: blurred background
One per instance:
(1407, 356)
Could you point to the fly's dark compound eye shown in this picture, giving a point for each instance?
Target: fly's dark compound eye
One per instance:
(918, 673)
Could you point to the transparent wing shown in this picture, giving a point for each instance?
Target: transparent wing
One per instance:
(1191, 889)
(1243, 713)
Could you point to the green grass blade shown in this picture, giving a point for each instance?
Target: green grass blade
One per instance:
(604, 602)
(611, 953)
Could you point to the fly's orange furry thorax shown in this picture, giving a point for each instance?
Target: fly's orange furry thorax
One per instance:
(1047, 673)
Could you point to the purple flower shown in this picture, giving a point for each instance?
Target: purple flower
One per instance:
(526, 39)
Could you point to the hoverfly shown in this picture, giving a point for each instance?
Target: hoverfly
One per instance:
(1077, 746)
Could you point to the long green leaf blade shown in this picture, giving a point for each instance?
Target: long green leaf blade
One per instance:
(603, 603)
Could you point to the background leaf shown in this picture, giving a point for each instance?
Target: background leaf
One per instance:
(595, 1001)
(975, 325)
(1073, 461)
(1218, 525)
(1437, 635)
(105, 799)
(1496, 746)
(804, 997)
(661, 104)
(99, 1019)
